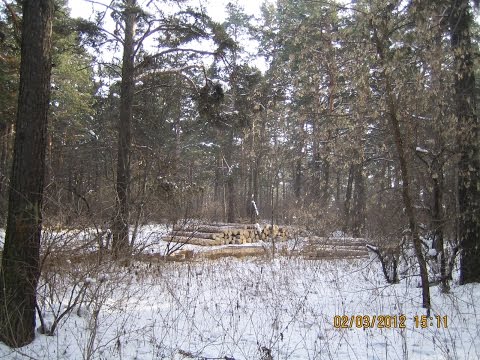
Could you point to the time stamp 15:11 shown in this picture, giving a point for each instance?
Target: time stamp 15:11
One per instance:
(388, 321)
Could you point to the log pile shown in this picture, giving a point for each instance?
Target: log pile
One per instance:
(225, 234)
(319, 247)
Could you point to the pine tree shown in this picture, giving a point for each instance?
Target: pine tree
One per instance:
(19, 271)
(468, 140)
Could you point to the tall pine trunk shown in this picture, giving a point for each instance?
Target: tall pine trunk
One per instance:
(230, 181)
(467, 125)
(359, 202)
(347, 207)
(121, 221)
(20, 271)
(438, 220)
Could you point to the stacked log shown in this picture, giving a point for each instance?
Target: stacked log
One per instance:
(274, 232)
(225, 234)
(319, 247)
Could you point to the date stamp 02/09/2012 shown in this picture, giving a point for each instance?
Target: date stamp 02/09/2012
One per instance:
(389, 321)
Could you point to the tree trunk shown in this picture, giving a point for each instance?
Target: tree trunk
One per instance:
(120, 229)
(5, 149)
(325, 197)
(348, 199)
(230, 179)
(20, 271)
(298, 168)
(298, 178)
(254, 190)
(338, 190)
(316, 176)
(231, 199)
(406, 193)
(467, 125)
(410, 211)
(217, 194)
(407, 197)
(359, 202)
(437, 221)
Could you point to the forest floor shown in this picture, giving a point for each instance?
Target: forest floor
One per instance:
(273, 306)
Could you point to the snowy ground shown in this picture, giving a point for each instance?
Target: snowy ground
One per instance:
(255, 308)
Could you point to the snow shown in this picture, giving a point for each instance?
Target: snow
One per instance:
(421, 150)
(254, 204)
(371, 247)
(338, 234)
(208, 144)
(89, 281)
(249, 308)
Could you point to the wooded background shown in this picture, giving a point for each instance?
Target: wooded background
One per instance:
(363, 122)
(360, 105)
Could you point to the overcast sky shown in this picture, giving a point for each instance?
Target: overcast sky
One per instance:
(215, 8)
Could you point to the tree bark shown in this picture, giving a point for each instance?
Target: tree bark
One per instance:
(298, 178)
(120, 229)
(20, 271)
(298, 166)
(407, 197)
(231, 196)
(467, 125)
(406, 194)
(348, 199)
(5, 149)
(325, 197)
(438, 220)
(359, 202)
(405, 176)
(217, 194)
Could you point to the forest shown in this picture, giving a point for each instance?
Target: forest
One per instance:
(330, 117)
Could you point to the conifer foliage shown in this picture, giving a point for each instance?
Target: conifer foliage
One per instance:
(357, 118)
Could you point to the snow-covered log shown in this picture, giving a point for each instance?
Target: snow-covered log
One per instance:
(193, 240)
(202, 235)
(227, 233)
